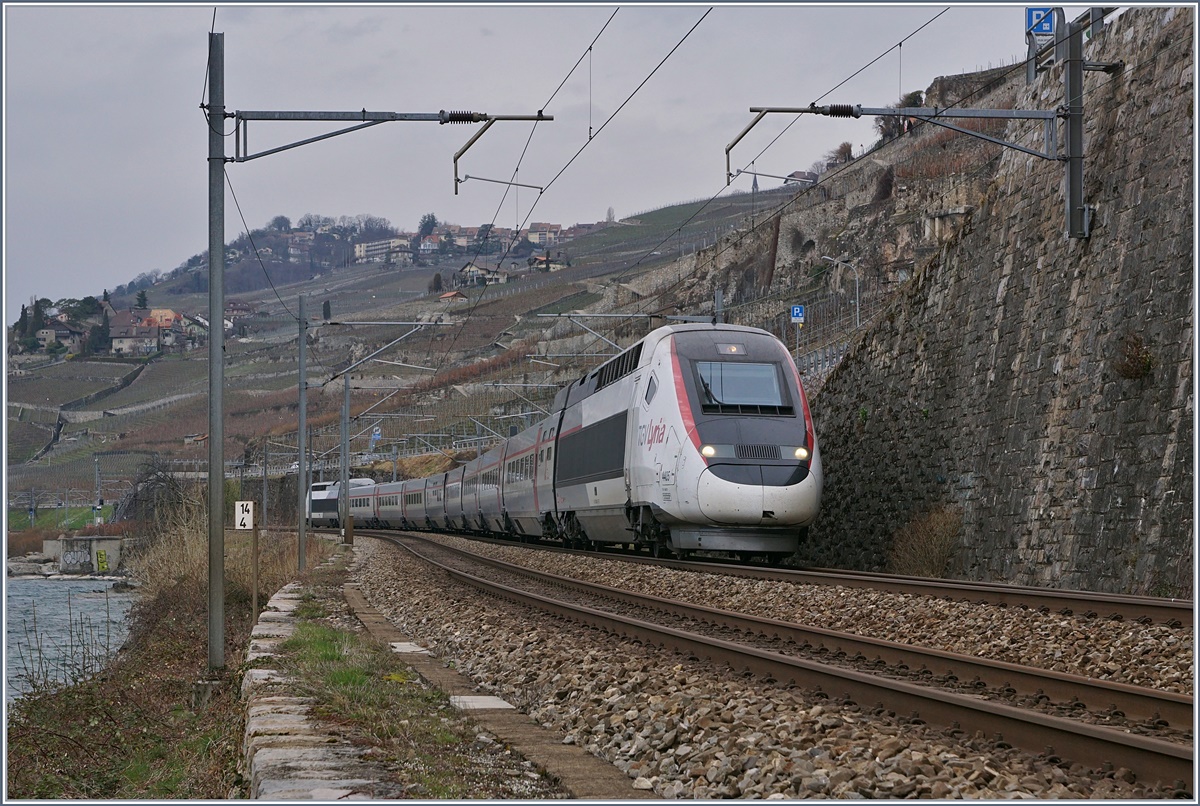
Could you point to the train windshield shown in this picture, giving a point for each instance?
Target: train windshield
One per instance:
(725, 383)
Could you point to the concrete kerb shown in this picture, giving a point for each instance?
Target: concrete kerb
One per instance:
(288, 755)
(584, 775)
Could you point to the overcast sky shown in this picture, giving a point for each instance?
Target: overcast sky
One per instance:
(105, 144)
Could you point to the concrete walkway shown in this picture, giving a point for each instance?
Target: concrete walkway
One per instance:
(288, 755)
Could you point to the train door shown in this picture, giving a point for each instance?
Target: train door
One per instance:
(639, 479)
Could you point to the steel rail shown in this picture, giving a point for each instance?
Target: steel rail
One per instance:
(1145, 609)
(1041, 734)
(1121, 607)
(1136, 702)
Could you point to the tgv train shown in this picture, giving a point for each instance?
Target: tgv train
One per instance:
(323, 500)
(698, 437)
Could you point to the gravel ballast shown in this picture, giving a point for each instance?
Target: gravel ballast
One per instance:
(686, 729)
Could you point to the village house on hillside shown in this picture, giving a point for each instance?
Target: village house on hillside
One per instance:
(194, 327)
(429, 244)
(546, 263)
(544, 234)
(125, 319)
(160, 317)
(475, 274)
(135, 340)
(235, 308)
(391, 250)
(64, 334)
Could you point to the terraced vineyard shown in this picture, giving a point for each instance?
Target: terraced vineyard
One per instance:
(52, 392)
(169, 376)
(25, 440)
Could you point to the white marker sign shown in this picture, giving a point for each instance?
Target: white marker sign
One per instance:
(243, 515)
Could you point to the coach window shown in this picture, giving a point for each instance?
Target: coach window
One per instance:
(651, 388)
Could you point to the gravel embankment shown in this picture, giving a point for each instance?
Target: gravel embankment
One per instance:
(1154, 656)
(686, 729)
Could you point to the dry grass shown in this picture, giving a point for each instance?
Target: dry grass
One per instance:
(132, 731)
(21, 543)
(926, 545)
(178, 555)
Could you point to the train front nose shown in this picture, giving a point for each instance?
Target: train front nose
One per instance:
(730, 502)
(760, 495)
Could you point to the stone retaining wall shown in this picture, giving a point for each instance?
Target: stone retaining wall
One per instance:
(1043, 385)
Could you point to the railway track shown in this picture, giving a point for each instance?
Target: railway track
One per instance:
(1053, 714)
(1090, 604)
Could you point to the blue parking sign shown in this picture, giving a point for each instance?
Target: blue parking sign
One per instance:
(798, 314)
(1044, 19)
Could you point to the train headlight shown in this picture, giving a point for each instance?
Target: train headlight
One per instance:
(709, 451)
(802, 453)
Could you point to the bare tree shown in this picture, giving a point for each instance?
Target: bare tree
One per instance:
(892, 126)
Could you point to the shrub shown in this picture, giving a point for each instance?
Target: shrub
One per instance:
(21, 543)
(925, 546)
(1134, 359)
(177, 556)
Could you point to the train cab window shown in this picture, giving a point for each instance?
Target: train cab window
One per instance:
(651, 388)
(738, 384)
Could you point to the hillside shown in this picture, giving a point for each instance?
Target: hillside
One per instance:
(667, 261)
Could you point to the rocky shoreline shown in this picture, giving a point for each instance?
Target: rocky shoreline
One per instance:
(36, 565)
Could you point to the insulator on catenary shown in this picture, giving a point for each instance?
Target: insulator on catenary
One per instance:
(457, 117)
(844, 111)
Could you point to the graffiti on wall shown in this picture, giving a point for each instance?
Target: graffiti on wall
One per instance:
(76, 560)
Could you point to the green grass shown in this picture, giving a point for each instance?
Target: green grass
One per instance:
(52, 518)
(377, 701)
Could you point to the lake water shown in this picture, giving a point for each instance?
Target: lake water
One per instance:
(56, 627)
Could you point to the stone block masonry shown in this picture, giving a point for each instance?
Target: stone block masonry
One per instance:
(1043, 385)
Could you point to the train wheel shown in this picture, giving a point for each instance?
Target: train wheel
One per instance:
(662, 550)
(744, 556)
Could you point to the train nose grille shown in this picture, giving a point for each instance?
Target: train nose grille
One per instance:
(757, 451)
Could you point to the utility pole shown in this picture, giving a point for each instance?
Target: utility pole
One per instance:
(266, 461)
(216, 117)
(301, 432)
(216, 350)
(97, 511)
(344, 491)
(1070, 49)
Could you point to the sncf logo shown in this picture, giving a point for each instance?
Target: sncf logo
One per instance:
(652, 434)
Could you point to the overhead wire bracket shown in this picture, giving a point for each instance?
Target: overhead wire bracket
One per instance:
(490, 120)
(1070, 46)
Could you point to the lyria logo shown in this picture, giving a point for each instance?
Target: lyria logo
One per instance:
(652, 434)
